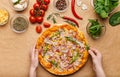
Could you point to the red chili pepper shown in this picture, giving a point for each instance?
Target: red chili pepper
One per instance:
(73, 10)
(71, 19)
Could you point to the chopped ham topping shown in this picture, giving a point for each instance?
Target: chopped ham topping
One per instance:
(60, 51)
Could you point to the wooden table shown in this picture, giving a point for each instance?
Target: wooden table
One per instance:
(15, 48)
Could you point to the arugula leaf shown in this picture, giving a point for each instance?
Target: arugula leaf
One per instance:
(71, 39)
(48, 18)
(54, 20)
(95, 28)
(55, 34)
(54, 63)
(45, 49)
(87, 47)
(74, 58)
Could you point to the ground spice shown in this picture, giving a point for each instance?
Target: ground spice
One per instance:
(20, 24)
(61, 4)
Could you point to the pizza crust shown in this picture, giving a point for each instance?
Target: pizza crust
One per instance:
(47, 65)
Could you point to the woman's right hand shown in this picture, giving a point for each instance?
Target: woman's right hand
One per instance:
(97, 62)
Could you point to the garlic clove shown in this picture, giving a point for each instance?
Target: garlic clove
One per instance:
(84, 7)
(79, 2)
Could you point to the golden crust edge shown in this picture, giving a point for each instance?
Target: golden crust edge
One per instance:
(48, 66)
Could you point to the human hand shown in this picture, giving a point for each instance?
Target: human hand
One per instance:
(97, 62)
(34, 62)
(34, 58)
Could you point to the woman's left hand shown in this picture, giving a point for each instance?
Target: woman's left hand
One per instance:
(34, 58)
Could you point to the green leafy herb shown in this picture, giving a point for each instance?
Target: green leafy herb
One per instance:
(55, 34)
(95, 28)
(71, 39)
(54, 20)
(17, 2)
(56, 14)
(74, 58)
(115, 19)
(49, 17)
(104, 7)
(87, 47)
(54, 63)
(52, 17)
(45, 49)
(71, 23)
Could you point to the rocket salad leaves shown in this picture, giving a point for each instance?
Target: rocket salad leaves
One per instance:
(104, 7)
(95, 29)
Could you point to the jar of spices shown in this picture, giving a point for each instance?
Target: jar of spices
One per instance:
(61, 5)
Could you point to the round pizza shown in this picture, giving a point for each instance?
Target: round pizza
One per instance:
(62, 49)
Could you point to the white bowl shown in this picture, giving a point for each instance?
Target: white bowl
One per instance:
(15, 7)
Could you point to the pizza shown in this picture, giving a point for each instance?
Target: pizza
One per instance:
(62, 49)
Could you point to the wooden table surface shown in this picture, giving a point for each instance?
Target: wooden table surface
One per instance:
(15, 48)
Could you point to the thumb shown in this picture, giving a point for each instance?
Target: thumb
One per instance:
(36, 54)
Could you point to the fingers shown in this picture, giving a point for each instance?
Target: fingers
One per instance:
(33, 52)
(94, 53)
(97, 53)
(36, 54)
(91, 53)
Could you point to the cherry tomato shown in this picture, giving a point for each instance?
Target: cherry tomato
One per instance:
(46, 24)
(39, 1)
(44, 7)
(32, 12)
(47, 2)
(39, 19)
(38, 29)
(40, 13)
(32, 19)
(36, 6)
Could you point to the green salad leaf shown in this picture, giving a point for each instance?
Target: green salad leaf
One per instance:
(115, 19)
(95, 28)
(104, 7)
(87, 47)
(71, 39)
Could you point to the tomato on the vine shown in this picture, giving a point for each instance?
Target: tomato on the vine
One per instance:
(39, 1)
(32, 19)
(39, 19)
(40, 13)
(44, 7)
(46, 2)
(38, 29)
(36, 6)
(32, 12)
